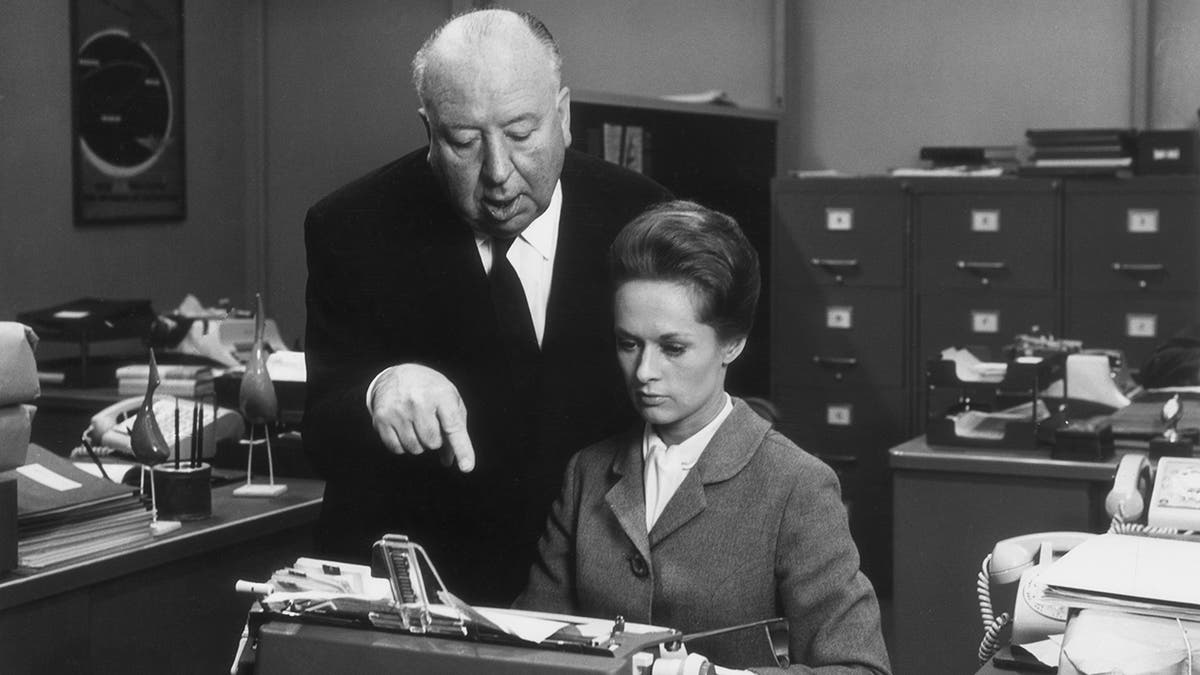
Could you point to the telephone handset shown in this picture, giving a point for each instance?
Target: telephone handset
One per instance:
(1013, 560)
(1126, 502)
(1164, 494)
(111, 426)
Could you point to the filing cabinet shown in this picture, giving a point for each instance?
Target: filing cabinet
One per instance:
(987, 319)
(985, 234)
(1131, 261)
(873, 276)
(1135, 323)
(986, 263)
(840, 312)
(843, 334)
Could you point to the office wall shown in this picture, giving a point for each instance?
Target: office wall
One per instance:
(336, 99)
(1174, 85)
(336, 103)
(869, 83)
(657, 48)
(287, 100)
(44, 257)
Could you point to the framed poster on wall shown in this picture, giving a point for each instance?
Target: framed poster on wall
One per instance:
(127, 105)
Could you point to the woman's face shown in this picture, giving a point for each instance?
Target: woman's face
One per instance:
(674, 366)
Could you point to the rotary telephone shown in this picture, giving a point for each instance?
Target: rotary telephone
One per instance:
(1014, 560)
(1158, 497)
(110, 427)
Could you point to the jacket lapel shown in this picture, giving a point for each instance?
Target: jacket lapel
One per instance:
(687, 503)
(627, 497)
(454, 280)
(730, 449)
(579, 307)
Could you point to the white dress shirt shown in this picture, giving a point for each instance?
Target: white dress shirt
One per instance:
(532, 256)
(667, 465)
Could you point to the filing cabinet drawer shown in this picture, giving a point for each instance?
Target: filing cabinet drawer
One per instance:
(840, 231)
(1004, 237)
(848, 422)
(833, 335)
(1125, 235)
(1133, 323)
(989, 320)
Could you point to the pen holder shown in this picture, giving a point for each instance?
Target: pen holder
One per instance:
(184, 493)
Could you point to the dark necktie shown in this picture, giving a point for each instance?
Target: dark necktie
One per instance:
(512, 308)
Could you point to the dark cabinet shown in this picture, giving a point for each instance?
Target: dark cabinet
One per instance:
(845, 233)
(840, 317)
(978, 233)
(1132, 273)
(874, 276)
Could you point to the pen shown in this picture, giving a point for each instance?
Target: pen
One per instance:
(176, 433)
(200, 435)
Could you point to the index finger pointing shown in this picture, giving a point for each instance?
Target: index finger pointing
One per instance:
(459, 443)
(456, 438)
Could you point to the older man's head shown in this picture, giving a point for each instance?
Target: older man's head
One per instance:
(498, 117)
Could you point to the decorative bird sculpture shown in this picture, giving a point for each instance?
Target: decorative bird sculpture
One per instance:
(146, 438)
(256, 398)
(258, 404)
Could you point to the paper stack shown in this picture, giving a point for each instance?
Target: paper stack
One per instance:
(187, 381)
(1130, 573)
(65, 513)
(1085, 150)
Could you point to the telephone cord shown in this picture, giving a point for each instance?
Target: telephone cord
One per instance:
(1119, 526)
(984, 592)
(991, 639)
(991, 624)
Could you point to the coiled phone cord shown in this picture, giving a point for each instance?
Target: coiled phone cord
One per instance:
(1119, 526)
(992, 624)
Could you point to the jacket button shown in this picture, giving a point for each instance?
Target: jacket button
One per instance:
(638, 565)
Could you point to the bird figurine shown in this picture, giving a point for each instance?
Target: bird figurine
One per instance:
(258, 404)
(256, 398)
(146, 438)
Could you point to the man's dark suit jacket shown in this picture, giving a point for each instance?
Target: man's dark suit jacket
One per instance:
(395, 277)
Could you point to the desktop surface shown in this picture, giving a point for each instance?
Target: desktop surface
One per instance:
(166, 606)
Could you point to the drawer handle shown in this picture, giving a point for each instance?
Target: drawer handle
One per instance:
(837, 363)
(982, 268)
(838, 267)
(1140, 269)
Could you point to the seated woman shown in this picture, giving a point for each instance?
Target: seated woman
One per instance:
(703, 517)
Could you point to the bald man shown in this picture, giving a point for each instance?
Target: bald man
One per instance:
(459, 333)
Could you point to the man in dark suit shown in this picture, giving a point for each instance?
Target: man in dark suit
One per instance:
(458, 310)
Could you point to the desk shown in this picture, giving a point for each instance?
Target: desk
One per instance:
(951, 505)
(168, 606)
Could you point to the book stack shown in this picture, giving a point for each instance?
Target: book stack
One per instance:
(65, 514)
(183, 380)
(968, 158)
(1087, 150)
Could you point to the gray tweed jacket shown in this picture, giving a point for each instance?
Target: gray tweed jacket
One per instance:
(757, 530)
